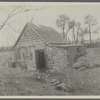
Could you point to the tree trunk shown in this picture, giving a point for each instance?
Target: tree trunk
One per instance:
(82, 41)
(90, 34)
(63, 33)
(90, 37)
(77, 37)
(67, 33)
(74, 35)
(77, 34)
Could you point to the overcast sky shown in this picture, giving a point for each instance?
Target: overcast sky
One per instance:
(47, 16)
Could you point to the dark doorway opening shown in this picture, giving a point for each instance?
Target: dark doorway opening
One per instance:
(40, 60)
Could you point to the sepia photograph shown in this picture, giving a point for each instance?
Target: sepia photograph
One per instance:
(49, 49)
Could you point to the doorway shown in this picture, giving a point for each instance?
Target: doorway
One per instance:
(40, 60)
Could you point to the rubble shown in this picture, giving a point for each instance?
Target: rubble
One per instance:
(55, 82)
(61, 87)
(90, 60)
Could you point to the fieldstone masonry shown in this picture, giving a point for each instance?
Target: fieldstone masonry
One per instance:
(58, 58)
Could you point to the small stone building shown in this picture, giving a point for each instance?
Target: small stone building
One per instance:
(41, 47)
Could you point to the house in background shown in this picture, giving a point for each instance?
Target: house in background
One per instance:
(41, 47)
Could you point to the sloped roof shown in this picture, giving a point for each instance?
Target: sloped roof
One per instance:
(48, 34)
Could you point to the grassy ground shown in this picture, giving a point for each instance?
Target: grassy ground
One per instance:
(21, 82)
(87, 81)
(14, 81)
(18, 82)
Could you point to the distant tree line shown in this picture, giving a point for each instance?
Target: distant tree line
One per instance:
(66, 24)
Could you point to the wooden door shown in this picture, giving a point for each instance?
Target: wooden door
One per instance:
(30, 56)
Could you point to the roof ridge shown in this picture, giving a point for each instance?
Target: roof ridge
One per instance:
(38, 24)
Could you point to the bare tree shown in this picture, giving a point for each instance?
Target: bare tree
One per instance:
(16, 11)
(62, 23)
(90, 21)
(10, 17)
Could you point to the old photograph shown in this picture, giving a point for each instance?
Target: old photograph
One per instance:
(49, 49)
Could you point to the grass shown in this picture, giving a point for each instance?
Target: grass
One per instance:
(20, 82)
(16, 81)
(87, 82)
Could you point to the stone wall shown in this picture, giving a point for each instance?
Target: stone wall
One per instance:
(59, 58)
(56, 58)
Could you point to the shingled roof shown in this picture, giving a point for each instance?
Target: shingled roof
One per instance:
(47, 33)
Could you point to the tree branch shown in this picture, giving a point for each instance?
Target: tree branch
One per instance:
(13, 29)
(18, 10)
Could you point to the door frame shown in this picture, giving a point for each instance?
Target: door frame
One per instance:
(36, 58)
